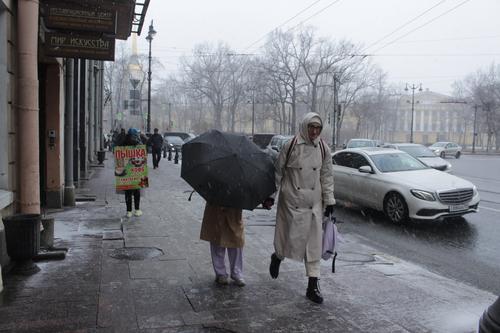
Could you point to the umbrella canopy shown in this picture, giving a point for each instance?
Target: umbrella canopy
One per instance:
(228, 170)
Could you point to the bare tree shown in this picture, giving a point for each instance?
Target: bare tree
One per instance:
(284, 68)
(116, 80)
(209, 74)
(319, 58)
(483, 88)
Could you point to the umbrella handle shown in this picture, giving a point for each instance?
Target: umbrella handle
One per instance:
(189, 199)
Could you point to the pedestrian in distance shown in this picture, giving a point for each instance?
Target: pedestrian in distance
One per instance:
(223, 228)
(132, 139)
(119, 138)
(156, 144)
(304, 179)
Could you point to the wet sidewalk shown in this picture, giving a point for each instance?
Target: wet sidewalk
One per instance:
(153, 274)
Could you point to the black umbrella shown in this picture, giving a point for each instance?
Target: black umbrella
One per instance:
(228, 170)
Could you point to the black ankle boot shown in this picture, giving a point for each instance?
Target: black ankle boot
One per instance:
(313, 292)
(274, 268)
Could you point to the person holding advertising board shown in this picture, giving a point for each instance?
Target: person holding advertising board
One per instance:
(131, 170)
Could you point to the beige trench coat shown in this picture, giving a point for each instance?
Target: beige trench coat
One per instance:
(305, 187)
(223, 226)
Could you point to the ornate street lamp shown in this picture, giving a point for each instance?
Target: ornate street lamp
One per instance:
(413, 87)
(149, 38)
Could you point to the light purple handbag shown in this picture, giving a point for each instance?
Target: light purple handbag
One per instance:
(330, 240)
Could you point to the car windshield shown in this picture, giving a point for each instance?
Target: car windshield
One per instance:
(394, 162)
(417, 151)
(361, 143)
(175, 140)
(439, 144)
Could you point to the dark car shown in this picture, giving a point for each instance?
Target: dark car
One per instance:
(182, 135)
(173, 143)
(262, 139)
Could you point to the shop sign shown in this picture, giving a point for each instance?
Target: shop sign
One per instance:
(73, 16)
(66, 45)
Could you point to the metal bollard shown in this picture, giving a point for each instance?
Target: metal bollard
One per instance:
(176, 158)
(169, 155)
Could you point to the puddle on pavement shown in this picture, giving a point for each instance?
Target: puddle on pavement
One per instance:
(135, 253)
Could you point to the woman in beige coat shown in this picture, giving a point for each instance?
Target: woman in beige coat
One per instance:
(304, 177)
(223, 228)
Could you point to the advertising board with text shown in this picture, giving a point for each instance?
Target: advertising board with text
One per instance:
(131, 167)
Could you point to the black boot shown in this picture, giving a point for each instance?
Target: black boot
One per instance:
(313, 292)
(274, 268)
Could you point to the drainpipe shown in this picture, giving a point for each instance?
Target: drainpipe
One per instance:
(90, 110)
(69, 187)
(28, 108)
(76, 120)
(101, 105)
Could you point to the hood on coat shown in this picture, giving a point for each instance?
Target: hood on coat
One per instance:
(309, 118)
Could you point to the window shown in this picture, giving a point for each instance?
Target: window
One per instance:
(342, 159)
(350, 160)
(358, 161)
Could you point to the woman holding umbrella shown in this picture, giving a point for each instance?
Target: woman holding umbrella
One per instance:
(231, 173)
(304, 176)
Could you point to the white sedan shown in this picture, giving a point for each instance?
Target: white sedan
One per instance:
(401, 186)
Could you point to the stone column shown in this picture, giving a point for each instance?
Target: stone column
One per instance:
(27, 106)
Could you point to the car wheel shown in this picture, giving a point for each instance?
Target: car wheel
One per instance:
(442, 155)
(457, 155)
(395, 208)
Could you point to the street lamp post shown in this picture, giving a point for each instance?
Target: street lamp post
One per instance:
(149, 38)
(474, 133)
(253, 114)
(413, 87)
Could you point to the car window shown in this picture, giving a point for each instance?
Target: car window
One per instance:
(174, 140)
(350, 160)
(395, 162)
(417, 151)
(439, 144)
(342, 159)
(360, 143)
(358, 161)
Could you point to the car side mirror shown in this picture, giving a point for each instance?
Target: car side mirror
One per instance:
(365, 169)
(344, 146)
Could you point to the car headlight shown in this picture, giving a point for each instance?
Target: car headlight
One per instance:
(423, 195)
(474, 190)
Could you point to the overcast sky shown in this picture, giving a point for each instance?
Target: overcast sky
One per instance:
(451, 38)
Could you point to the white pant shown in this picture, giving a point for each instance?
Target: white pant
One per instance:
(312, 267)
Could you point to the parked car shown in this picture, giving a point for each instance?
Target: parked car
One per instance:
(423, 154)
(399, 185)
(358, 143)
(173, 143)
(262, 139)
(278, 141)
(443, 149)
(182, 135)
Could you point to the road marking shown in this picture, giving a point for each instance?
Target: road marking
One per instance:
(488, 208)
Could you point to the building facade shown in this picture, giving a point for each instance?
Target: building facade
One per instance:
(51, 105)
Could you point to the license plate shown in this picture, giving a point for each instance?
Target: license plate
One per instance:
(458, 208)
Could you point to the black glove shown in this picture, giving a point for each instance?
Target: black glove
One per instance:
(329, 210)
(268, 203)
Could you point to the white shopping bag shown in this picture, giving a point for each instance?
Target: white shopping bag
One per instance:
(330, 240)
